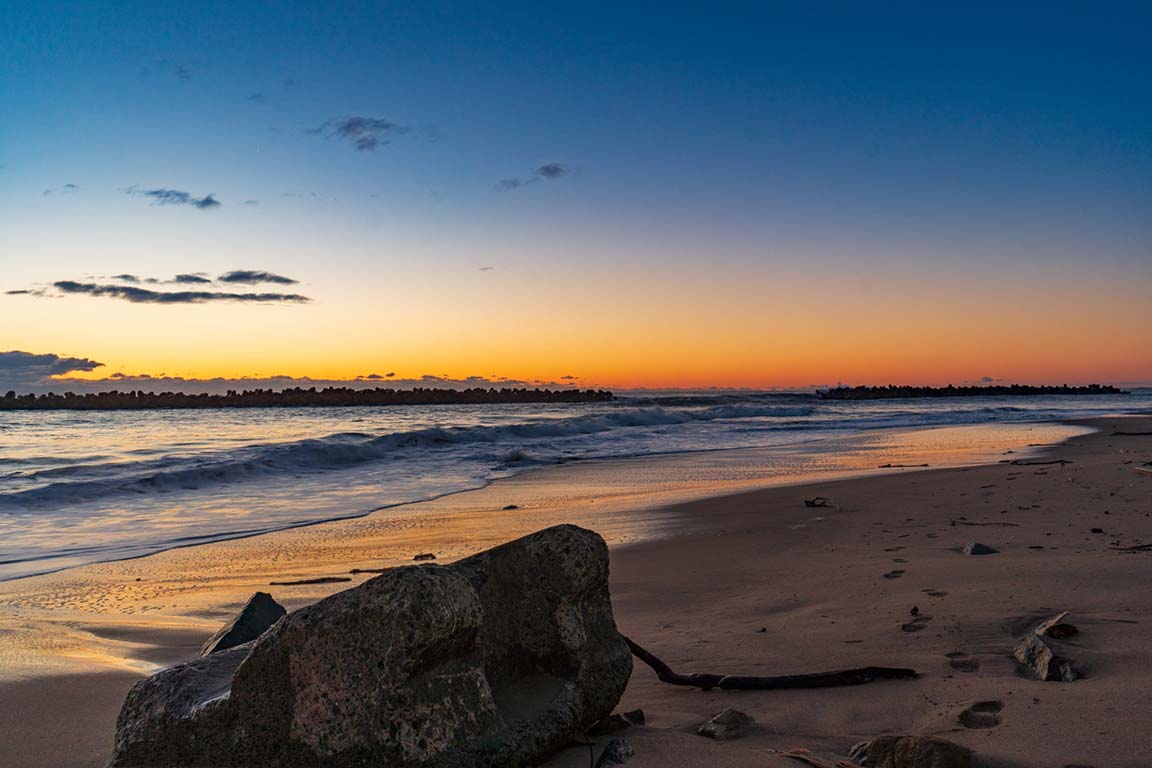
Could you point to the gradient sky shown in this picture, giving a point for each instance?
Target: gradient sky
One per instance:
(669, 195)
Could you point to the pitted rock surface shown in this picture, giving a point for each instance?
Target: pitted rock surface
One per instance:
(496, 660)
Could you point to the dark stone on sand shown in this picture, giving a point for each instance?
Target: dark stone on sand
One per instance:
(1097, 530)
(911, 752)
(1056, 628)
(423, 556)
(510, 506)
(1037, 660)
(729, 724)
(496, 660)
(254, 619)
(976, 548)
(617, 722)
(302, 582)
(616, 752)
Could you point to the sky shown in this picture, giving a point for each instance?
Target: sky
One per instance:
(760, 195)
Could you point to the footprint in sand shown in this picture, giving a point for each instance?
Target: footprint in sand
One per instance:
(894, 574)
(963, 662)
(916, 624)
(982, 714)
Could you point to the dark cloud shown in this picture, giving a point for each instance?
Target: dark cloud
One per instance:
(487, 269)
(147, 296)
(25, 368)
(190, 279)
(255, 98)
(365, 133)
(254, 277)
(567, 378)
(126, 278)
(545, 172)
(21, 292)
(552, 170)
(176, 197)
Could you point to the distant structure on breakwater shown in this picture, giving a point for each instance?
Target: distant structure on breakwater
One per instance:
(296, 397)
(892, 391)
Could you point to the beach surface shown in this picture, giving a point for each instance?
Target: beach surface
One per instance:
(711, 577)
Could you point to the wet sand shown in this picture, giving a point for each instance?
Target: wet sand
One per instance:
(696, 582)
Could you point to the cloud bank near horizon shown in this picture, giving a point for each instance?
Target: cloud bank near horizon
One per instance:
(39, 373)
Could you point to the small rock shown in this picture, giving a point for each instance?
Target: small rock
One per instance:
(1097, 530)
(1057, 628)
(976, 548)
(510, 506)
(617, 722)
(911, 752)
(915, 610)
(616, 752)
(257, 615)
(1040, 662)
(729, 724)
(424, 556)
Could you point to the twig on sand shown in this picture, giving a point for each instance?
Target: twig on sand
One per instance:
(857, 676)
(1019, 463)
(1130, 434)
(819, 501)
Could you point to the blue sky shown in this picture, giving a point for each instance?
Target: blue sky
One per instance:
(852, 140)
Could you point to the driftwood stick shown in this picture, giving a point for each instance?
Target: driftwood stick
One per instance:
(771, 683)
(1130, 434)
(1019, 463)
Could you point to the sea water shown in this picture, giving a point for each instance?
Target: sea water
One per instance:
(85, 486)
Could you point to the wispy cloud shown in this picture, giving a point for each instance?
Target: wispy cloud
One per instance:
(66, 189)
(147, 296)
(191, 279)
(163, 196)
(366, 134)
(545, 172)
(254, 277)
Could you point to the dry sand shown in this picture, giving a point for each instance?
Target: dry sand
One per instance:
(752, 583)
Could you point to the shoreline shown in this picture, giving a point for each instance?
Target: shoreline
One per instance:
(861, 435)
(716, 566)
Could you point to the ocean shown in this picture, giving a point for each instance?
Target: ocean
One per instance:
(85, 486)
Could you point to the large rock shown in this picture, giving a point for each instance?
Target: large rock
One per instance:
(254, 619)
(495, 660)
(911, 752)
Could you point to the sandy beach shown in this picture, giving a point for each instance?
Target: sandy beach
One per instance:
(750, 581)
